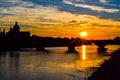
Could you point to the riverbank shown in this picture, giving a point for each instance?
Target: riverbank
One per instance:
(109, 70)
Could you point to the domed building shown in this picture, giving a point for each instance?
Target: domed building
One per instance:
(15, 33)
(16, 27)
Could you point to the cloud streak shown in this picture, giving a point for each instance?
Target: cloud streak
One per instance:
(92, 7)
(103, 1)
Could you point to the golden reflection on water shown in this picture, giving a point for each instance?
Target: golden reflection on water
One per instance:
(83, 52)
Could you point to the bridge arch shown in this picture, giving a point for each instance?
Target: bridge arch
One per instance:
(101, 45)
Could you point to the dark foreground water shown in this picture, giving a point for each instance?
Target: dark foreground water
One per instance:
(55, 64)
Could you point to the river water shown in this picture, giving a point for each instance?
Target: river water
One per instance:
(54, 64)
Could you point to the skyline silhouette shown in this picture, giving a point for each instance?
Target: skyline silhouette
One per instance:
(15, 39)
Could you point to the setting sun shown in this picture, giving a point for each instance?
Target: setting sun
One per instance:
(83, 34)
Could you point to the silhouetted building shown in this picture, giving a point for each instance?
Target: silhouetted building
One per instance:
(14, 33)
(2, 34)
(16, 28)
(25, 34)
(14, 38)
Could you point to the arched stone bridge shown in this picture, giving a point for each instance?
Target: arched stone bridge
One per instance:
(76, 42)
(41, 42)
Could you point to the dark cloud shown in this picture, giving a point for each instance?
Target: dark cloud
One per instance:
(101, 25)
(24, 26)
(118, 26)
(6, 14)
(48, 20)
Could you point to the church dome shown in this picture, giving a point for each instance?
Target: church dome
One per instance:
(16, 27)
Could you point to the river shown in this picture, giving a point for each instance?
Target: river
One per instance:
(54, 64)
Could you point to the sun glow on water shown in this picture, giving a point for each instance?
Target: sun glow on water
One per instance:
(83, 52)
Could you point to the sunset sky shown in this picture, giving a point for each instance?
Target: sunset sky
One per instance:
(63, 18)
